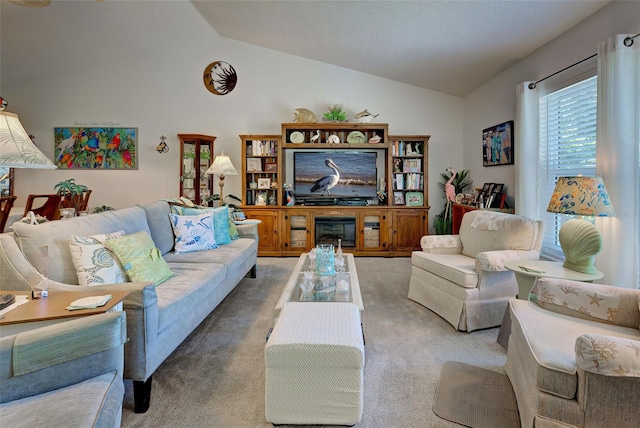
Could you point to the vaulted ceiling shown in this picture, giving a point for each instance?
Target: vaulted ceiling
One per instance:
(447, 46)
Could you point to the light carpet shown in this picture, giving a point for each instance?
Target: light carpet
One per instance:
(475, 397)
(216, 376)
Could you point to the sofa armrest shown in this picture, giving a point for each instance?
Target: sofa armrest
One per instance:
(441, 244)
(493, 261)
(247, 230)
(608, 355)
(92, 346)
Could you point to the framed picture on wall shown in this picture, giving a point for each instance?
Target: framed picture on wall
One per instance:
(95, 148)
(497, 145)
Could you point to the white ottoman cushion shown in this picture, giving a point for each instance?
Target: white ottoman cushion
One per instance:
(315, 365)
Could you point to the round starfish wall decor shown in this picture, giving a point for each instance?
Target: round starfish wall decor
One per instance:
(220, 77)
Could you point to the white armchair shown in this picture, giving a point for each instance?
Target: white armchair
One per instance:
(462, 277)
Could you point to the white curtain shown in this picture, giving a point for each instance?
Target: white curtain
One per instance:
(526, 151)
(617, 159)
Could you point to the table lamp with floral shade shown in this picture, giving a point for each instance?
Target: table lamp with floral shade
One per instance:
(580, 239)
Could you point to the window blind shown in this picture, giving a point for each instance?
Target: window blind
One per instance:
(567, 148)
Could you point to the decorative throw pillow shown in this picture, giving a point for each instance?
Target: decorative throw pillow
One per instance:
(220, 217)
(94, 263)
(233, 229)
(140, 258)
(193, 232)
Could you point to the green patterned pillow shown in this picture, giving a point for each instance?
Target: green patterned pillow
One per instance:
(140, 258)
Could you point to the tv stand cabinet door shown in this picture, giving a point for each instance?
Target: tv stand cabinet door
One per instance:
(268, 237)
(408, 227)
(373, 230)
(296, 232)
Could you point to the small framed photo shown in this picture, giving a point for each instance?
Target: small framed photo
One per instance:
(411, 165)
(497, 188)
(497, 145)
(487, 189)
(238, 216)
(264, 183)
(270, 167)
(398, 198)
(414, 199)
(254, 165)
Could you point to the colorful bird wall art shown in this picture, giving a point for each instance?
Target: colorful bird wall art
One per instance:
(96, 148)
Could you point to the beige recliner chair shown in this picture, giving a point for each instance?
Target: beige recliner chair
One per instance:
(462, 277)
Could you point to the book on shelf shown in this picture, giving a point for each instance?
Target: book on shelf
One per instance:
(411, 165)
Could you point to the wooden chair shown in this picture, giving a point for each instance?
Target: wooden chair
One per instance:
(6, 203)
(49, 209)
(79, 201)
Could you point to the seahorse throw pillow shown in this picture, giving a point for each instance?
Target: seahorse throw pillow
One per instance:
(193, 232)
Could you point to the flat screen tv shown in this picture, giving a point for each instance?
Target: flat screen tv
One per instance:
(336, 174)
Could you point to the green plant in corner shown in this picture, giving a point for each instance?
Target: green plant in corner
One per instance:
(71, 190)
(335, 114)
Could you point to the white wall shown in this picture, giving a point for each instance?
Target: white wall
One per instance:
(140, 64)
(495, 101)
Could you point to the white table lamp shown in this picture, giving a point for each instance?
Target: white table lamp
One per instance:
(222, 166)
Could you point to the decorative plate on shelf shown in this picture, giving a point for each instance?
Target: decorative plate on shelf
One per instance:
(356, 137)
(296, 137)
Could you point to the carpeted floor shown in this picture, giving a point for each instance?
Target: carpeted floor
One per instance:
(216, 377)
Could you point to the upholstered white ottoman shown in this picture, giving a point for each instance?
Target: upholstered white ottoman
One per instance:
(315, 365)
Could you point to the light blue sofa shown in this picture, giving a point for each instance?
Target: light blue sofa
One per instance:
(79, 387)
(159, 317)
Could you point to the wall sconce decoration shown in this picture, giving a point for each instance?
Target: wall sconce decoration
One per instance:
(162, 147)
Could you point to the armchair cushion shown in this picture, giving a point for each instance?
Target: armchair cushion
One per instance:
(456, 268)
(608, 355)
(496, 231)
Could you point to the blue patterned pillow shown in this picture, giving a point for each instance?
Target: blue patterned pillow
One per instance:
(193, 232)
(220, 221)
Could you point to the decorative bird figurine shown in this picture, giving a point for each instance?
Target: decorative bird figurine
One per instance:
(449, 188)
(315, 138)
(365, 117)
(328, 182)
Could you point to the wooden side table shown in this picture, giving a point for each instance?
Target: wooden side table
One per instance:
(528, 271)
(51, 310)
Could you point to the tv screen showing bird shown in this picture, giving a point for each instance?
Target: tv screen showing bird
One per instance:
(337, 174)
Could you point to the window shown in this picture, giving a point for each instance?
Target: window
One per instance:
(567, 147)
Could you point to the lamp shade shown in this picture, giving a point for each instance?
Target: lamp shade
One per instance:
(585, 196)
(222, 166)
(16, 148)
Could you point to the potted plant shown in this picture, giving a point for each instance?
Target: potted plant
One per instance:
(335, 114)
(71, 191)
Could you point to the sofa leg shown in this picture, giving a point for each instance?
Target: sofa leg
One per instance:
(253, 272)
(142, 395)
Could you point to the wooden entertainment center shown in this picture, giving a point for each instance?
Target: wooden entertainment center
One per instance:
(372, 225)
